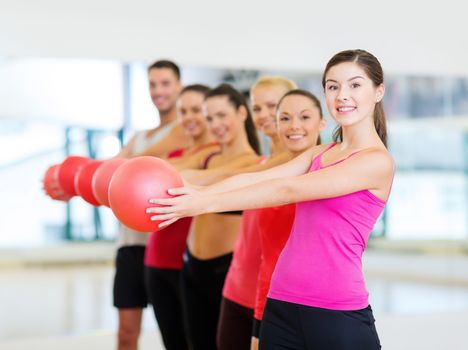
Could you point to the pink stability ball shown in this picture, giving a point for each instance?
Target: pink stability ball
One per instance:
(134, 183)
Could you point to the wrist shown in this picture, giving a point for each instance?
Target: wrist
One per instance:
(209, 204)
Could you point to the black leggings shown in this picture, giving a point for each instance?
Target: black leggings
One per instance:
(163, 288)
(298, 327)
(235, 326)
(202, 284)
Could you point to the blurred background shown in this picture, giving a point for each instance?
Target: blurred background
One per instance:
(73, 81)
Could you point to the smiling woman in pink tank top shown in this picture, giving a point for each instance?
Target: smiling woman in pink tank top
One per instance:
(318, 299)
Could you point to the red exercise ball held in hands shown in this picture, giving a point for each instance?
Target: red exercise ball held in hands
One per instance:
(102, 178)
(134, 183)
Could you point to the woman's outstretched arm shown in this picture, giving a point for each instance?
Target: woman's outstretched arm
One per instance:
(370, 169)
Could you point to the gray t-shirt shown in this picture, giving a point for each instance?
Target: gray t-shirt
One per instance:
(127, 236)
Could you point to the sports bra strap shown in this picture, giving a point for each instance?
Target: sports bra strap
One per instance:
(319, 156)
(208, 158)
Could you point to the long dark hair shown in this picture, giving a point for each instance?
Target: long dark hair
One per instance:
(371, 65)
(310, 96)
(236, 99)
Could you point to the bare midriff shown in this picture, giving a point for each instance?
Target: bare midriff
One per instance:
(213, 235)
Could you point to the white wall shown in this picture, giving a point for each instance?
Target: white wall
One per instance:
(80, 92)
(424, 37)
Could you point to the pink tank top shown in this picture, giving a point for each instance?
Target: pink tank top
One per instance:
(321, 264)
(241, 281)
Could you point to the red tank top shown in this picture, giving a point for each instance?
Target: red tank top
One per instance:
(165, 248)
(274, 228)
(241, 280)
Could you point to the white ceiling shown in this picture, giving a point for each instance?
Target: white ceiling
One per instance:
(417, 37)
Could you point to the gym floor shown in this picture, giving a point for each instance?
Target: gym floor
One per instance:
(69, 305)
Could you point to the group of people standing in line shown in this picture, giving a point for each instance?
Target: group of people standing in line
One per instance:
(259, 251)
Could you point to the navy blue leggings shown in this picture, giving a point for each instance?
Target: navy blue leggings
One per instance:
(298, 327)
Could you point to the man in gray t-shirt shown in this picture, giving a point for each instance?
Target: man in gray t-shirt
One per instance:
(129, 288)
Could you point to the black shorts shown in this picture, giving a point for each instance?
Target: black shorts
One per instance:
(129, 280)
(299, 327)
(257, 324)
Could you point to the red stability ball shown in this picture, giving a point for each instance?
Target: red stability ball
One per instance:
(102, 178)
(67, 172)
(51, 185)
(134, 183)
(83, 182)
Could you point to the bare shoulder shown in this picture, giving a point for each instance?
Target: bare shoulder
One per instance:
(319, 148)
(199, 156)
(249, 159)
(313, 151)
(272, 161)
(174, 132)
(177, 130)
(375, 163)
(379, 157)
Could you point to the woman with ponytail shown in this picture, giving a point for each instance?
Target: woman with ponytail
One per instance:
(212, 236)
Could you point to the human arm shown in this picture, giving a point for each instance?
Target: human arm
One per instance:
(174, 140)
(126, 151)
(193, 161)
(370, 169)
(210, 176)
(297, 166)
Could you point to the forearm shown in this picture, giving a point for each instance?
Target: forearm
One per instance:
(192, 202)
(277, 169)
(207, 177)
(263, 194)
(372, 172)
(224, 174)
(159, 149)
(232, 183)
(182, 164)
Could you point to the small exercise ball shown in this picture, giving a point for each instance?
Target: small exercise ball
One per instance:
(67, 172)
(102, 178)
(134, 183)
(51, 185)
(83, 182)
